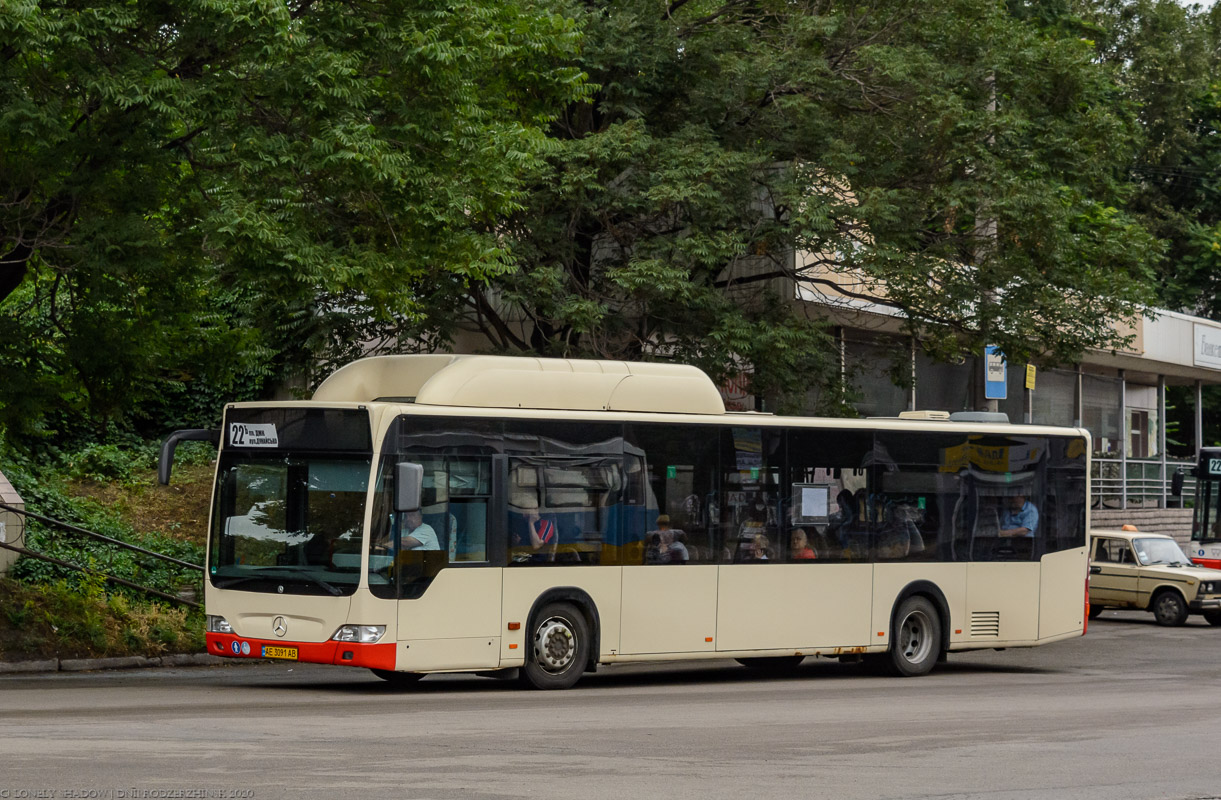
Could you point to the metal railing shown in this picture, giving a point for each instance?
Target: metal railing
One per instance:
(1140, 483)
(74, 529)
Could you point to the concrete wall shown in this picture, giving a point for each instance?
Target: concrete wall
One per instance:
(1174, 522)
(12, 526)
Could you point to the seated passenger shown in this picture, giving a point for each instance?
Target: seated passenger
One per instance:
(653, 553)
(799, 547)
(670, 546)
(675, 542)
(760, 549)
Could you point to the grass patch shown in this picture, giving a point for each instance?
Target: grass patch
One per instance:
(50, 611)
(58, 620)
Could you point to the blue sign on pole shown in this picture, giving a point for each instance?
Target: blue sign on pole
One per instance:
(995, 374)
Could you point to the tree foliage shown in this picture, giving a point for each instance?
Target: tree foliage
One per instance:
(164, 162)
(196, 197)
(1164, 59)
(965, 161)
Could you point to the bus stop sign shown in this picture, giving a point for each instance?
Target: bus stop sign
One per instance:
(995, 375)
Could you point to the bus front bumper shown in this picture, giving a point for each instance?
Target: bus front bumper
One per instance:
(350, 654)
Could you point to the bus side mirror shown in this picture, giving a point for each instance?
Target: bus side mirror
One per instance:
(408, 486)
(1176, 483)
(165, 464)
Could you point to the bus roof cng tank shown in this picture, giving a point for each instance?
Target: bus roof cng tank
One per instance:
(524, 382)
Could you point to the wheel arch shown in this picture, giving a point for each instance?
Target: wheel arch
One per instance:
(933, 593)
(585, 604)
(1160, 589)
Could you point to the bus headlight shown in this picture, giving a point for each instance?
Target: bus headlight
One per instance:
(217, 624)
(366, 634)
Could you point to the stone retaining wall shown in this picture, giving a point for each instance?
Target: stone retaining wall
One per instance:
(1174, 522)
(12, 526)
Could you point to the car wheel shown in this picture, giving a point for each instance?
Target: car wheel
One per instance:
(772, 664)
(1213, 618)
(916, 638)
(1096, 611)
(1169, 608)
(400, 679)
(558, 648)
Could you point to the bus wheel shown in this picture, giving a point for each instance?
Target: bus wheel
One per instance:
(772, 664)
(1213, 617)
(1096, 611)
(558, 647)
(1168, 608)
(401, 679)
(917, 638)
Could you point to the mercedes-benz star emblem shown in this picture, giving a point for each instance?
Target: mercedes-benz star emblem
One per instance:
(279, 627)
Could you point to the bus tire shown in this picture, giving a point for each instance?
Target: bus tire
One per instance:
(1096, 611)
(1213, 618)
(771, 664)
(916, 638)
(1169, 608)
(558, 647)
(399, 679)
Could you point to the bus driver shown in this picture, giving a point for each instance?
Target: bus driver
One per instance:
(419, 535)
(1019, 518)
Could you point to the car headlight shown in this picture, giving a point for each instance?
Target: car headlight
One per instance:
(365, 634)
(217, 624)
(1208, 587)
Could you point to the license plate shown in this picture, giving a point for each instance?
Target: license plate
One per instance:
(280, 652)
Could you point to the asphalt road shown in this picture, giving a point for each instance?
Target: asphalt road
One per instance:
(1129, 711)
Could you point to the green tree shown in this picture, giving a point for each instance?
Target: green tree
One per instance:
(968, 161)
(334, 160)
(1165, 60)
(1163, 57)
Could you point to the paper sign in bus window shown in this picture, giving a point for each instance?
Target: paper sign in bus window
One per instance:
(813, 500)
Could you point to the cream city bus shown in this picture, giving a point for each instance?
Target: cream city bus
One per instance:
(437, 513)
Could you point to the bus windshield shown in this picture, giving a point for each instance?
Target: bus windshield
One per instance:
(289, 523)
(1206, 524)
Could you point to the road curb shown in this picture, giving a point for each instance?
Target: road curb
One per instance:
(121, 662)
(10, 667)
(87, 664)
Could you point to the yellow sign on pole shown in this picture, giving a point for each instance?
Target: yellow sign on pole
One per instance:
(1030, 377)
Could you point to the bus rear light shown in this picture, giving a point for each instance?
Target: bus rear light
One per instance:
(1085, 623)
(366, 634)
(215, 624)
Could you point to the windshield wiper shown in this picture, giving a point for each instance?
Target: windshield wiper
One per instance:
(291, 577)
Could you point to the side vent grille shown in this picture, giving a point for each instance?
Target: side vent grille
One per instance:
(986, 623)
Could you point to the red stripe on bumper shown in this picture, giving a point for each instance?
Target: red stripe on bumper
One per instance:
(377, 656)
(1211, 563)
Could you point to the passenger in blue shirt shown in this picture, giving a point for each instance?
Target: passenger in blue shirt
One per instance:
(1020, 518)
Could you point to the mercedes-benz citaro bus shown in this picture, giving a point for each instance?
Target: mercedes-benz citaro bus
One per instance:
(1205, 547)
(501, 515)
